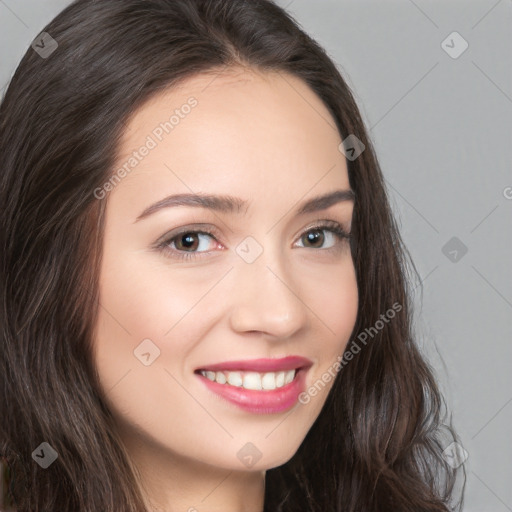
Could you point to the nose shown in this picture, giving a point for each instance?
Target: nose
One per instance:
(266, 299)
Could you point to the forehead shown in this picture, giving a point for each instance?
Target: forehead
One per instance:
(236, 129)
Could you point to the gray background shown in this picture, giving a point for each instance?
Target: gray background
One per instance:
(442, 130)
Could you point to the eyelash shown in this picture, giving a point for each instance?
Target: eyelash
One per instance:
(333, 227)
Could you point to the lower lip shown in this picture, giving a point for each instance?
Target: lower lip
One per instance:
(261, 402)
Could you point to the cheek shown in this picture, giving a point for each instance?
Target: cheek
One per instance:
(331, 293)
(142, 305)
(141, 302)
(336, 306)
(132, 310)
(145, 301)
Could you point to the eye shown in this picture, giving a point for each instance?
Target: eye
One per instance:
(192, 243)
(315, 238)
(186, 243)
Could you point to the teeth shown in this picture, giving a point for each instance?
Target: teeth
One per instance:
(268, 381)
(235, 379)
(252, 380)
(218, 376)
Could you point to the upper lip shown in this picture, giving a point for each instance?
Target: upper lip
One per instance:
(260, 365)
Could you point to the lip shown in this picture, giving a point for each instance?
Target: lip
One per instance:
(261, 402)
(260, 365)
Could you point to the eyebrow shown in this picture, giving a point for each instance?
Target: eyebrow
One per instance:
(230, 204)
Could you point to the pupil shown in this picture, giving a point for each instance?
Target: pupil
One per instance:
(315, 236)
(188, 240)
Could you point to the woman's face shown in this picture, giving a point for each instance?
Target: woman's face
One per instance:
(214, 285)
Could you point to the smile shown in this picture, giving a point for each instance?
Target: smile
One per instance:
(262, 386)
(251, 380)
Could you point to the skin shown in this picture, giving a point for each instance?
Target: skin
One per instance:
(268, 139)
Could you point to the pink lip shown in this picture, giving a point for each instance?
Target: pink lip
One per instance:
(261, 402)
(260, 365)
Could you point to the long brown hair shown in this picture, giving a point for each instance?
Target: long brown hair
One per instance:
(377, 443)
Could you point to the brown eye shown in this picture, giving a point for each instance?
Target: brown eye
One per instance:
(187, 241)
(330, 233)
(314, 238)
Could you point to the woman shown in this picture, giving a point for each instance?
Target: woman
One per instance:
(205, 300)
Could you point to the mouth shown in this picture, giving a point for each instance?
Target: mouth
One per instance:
(251, 380)
(258, 386)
